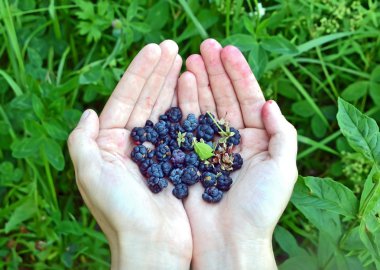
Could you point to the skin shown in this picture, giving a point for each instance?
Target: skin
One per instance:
(148, 230)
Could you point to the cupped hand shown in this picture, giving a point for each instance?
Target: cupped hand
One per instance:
(239, 229)
(152, 229)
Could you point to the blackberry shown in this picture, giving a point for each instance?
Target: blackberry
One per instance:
(149, 123)
(174, 129)
(190, 175)
(187, 145)
(235, 140)
(173, 145)
(139, 153)
(178, 158)
(205, 132)
(166, 168)
(163, 117)
(238, 161)
(223, 182)
(208, 179)
(163, 152)
(151, 153)
(138, 135)
(205, 119)
(163, 140)
(151, 134)
(192, 159)
(218, 169)
(175, 176)
(212, 195)
(155, 170)
(181, 191)
(162, 128)
(206, 167)
(157, 184)
(144, 166)
(174, 114)
(191, 123)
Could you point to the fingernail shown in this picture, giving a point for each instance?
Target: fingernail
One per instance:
(274, 106)
(85, 114)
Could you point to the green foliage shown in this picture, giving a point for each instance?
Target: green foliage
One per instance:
(60, 57)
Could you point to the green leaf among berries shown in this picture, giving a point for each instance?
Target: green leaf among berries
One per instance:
(203, 150)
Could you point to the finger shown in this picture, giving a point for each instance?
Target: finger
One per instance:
(165, 98)
(152, 88)
(82, 145)
(119, 106)
(227, 104)
(187, 94)
(283, 136)
(195, 65)
(247, 89)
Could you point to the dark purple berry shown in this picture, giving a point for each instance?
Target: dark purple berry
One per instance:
(205, 132)
(151, 153)
(206, 167)
(139, 153)
(138, 135)
(175, 176)
(163, 117)
(212, 195)
(235, 139)
(163, 140)
(223, 182)
(174, 129)
(191, 123)
(174, 114)
(163, 152)
(166, 168)
(173, 144)
(181, 191)
(162, 128)
(208, 179)
(178, 158)
(192, 159)
(144, 166)
(187, 145)
(205, 119)
(155, 170)
(190, 175)
(157, 184)
(149, 123)
(151, 134)
(238, 161)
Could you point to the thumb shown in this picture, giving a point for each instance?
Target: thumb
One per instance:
(82, 144)
(283, 136)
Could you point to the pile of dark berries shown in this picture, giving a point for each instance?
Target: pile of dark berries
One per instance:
(196, 150)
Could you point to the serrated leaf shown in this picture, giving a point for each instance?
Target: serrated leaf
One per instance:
(203, 150)
(361, 131)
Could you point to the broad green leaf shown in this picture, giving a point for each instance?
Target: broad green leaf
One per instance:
(368, 186)
(242, 41)
(26, 147)
(69, 228)
(279, 44)
(203, 150)
(303, 109)
(92, 76)
(258, 60)
(300, 263)
(55, 130)
(374, 89)
(361, 131)
(34, 128)
(206, 17)
(355, 91)
(158, 15)
(54, 154)
(38, 107)
(288, 243)
(318, 127)
(23, 212)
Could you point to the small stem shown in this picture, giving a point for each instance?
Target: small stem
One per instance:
(216, 122)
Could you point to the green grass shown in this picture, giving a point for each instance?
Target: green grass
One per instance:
(59, 57)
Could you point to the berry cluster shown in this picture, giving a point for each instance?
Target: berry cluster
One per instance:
(196, 150)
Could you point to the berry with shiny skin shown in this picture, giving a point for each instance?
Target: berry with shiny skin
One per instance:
(138, 135)
(235, 139)
(166, 168)
(191, 123)
(238, 161)
(173, 144)
(205, 132)
(144, 166)
(151, 153)
(187, 145)
(218, 169)
(163, 152)
(181, 191)
(178, 158)
(139, 153)
(149, 123)
(206, 167)
(162, 128)
(192, 159)
(223, 182)
(157, 184)
(190, 175)
(212, 195)
(208, 179)
(174, 129)
(151, 134)
(155, 170)
(174, 114)
(175, 176)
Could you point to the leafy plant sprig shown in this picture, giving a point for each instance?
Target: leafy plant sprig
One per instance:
(225, 134)
(203, 150)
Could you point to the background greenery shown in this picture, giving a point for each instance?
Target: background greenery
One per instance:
(59, 57)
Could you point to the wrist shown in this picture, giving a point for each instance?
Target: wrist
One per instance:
(134, 252)
(231, 252)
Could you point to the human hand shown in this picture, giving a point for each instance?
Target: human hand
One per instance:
(145, 230)
(237, 232)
